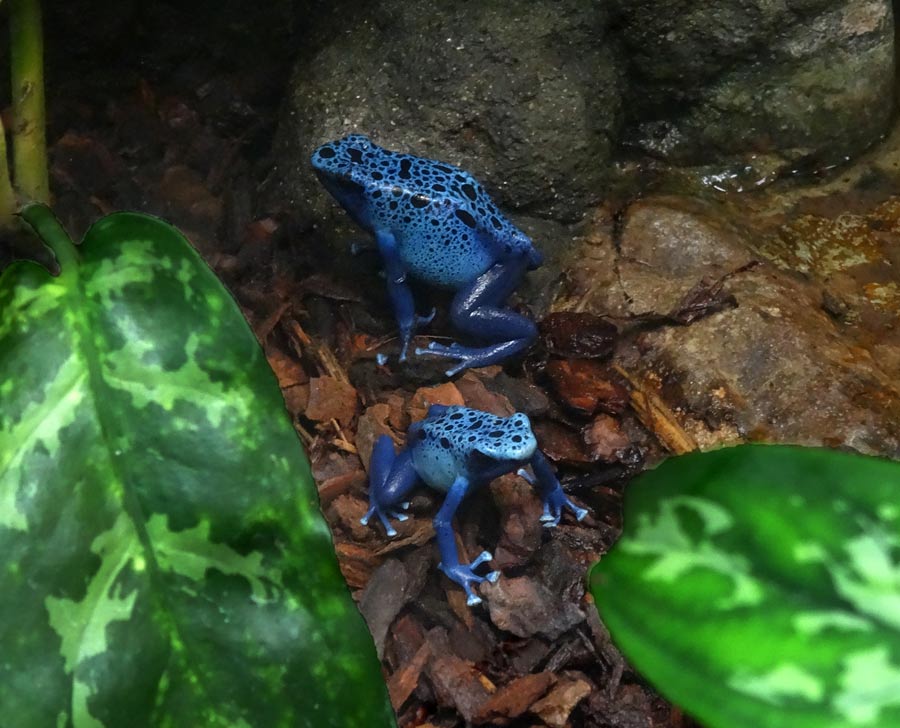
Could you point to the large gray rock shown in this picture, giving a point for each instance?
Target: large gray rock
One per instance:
(521, 93)
(794, 77)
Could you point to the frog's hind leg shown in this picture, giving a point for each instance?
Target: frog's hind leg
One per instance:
(392, 476)
(478, 310)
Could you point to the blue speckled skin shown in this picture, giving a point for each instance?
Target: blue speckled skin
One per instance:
(457, 449)
(435, 222)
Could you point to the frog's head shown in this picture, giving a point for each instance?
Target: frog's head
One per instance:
(340, 166)
(340, 158)
(508, 439)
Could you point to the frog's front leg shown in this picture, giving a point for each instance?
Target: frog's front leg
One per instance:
(551, 492)
(392, 477)
(400, 295)
(478, 310)
(462, 574)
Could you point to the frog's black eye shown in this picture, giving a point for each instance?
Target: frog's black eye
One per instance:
(326, 153)
(355, 155)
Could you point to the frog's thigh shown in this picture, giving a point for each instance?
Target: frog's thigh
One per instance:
(479, 309)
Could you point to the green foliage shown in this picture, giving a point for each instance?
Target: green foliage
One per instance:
(760, 586)
(164, 560)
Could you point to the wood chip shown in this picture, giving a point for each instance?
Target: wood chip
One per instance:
(585, 385)
(514, 698)
(424, 397)
(331, 399)
(605, 439)
(338, 485)
(373, 423)
(656, 416)
(477, 396)
(404, 681)
(556, 707)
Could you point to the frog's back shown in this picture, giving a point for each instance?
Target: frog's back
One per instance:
(447, 442)
(448, 229)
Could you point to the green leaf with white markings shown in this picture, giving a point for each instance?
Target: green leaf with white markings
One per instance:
(759, 585)
(164, 559)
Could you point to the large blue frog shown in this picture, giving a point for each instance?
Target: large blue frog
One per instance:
(457, 449)
(434, 222)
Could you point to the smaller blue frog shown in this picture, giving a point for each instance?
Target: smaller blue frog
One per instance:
(457, 449)
(434, 222)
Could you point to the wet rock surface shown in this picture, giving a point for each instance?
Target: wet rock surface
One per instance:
(539, 100)
(810, 353)
(794, 78)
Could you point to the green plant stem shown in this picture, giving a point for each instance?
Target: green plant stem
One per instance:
(48, 229)
(29, 144)
(7, 196)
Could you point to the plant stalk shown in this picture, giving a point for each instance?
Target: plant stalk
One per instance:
(7, 196)
(54, 236)
(29, 143)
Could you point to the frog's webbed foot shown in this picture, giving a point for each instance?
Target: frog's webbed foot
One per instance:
(465, 576)
(470, 356)
(408, 330)
(553, 509)
(552, 495)
(384, 514)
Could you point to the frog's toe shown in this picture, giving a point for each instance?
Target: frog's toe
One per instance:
(550, 517)
(383, 517)
(465, 576)
(425, 320)
(553, 509)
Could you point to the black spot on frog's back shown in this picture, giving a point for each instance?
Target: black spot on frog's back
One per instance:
(467, 218)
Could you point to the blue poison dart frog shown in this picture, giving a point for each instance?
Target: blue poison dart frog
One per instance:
(434, 222)
(457, 449)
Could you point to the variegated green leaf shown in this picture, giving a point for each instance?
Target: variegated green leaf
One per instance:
(760, 586)
(164, 562)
